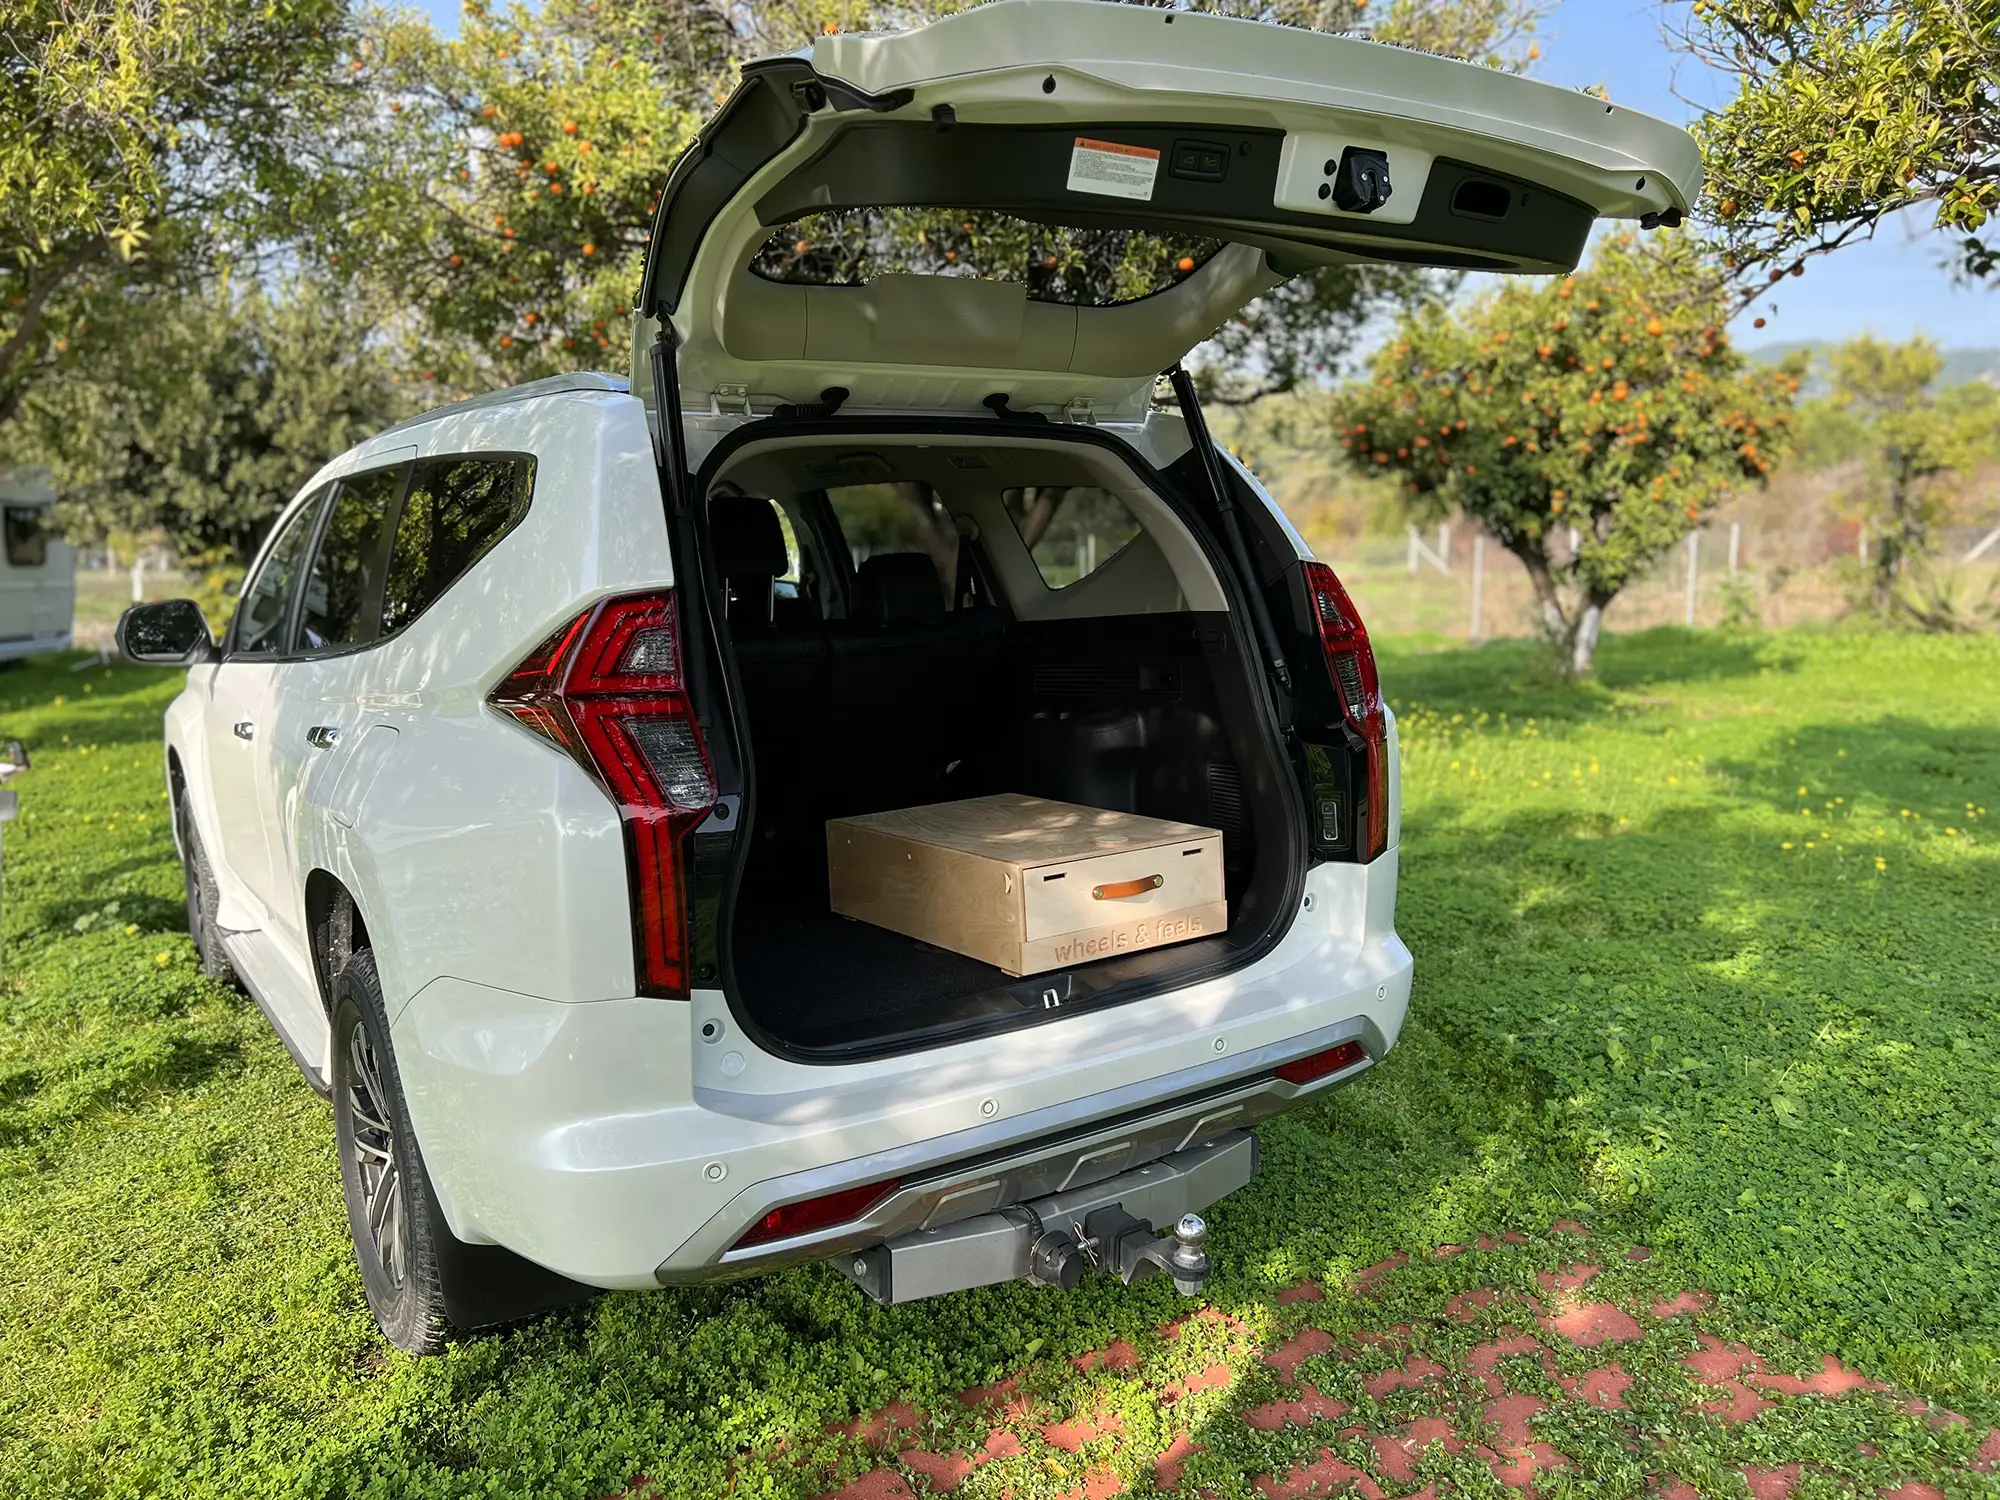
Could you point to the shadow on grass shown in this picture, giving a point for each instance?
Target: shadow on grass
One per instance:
(1519, 677)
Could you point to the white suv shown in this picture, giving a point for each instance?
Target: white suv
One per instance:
(504, 793)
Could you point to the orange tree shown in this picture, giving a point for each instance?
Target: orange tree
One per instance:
(1588, 423)
(528, 152)
(1847, 111)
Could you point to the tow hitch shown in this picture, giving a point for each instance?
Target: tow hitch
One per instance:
(1105, 1226)
(1112, 1240)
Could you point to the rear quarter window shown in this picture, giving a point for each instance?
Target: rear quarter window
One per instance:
(456, 512)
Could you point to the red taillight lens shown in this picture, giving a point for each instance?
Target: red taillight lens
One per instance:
(1306, 1069)
(817, 1213)
(1352, 661)
(608, 688)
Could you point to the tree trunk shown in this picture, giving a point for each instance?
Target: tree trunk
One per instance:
(939, 539)
(1572, 632)
(1583, 639)
(18, 350)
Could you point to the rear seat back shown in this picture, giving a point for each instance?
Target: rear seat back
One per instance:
(781, 660)
(904, 686)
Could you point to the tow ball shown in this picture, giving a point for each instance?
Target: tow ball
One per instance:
(1114, 1241)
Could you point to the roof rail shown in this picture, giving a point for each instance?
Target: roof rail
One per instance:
(581, 381)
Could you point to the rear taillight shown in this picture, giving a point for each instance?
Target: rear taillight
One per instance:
(1351, 659)
(817, 1213)
(1320, 1064)
(608, 689)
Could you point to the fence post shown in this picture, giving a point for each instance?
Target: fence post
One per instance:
(1694, 571)
(1478, 632)
(139, 580)
(1444, 546)
(1735, 545)
(1414, 546)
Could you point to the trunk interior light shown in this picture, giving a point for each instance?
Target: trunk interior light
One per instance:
(817, 1213)
(1320, 1064)
(608, 689)
(1351, 659)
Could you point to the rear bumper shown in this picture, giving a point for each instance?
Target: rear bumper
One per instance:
(630, 1143)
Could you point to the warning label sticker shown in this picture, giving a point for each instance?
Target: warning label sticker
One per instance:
(1115, 170)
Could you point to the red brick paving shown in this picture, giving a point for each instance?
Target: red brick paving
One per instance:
(1593, 1323)
(1323, 1476)
(1682, 1302)
(1733, 1386)
(1167, 1467)
(1413, 1371)
(1310, 1405)
(1117, 1355)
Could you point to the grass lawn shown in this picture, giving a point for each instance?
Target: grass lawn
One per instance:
(1708, 960)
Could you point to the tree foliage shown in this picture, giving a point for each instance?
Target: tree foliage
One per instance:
(141, 141)
(207, 412)
(1588, 423)
(534, 144)
(1848, 110)
(1913, 437)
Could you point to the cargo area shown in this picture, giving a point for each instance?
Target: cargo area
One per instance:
(921, 621)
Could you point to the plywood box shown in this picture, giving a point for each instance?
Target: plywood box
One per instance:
(1027, 884)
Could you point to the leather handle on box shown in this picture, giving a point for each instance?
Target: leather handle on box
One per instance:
(1121, 888)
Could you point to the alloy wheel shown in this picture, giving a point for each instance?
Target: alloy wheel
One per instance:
(375, 1161)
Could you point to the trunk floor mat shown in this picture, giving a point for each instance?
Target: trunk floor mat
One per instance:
(816, 979)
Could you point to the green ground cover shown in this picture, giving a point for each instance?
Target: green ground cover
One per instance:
(1708, 957)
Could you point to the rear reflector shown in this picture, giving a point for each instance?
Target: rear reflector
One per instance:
(1306, 1069)
(1351, 659)
(608, 689)
(817, 1213)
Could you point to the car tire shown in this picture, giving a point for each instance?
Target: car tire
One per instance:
(391, 1211)
(204, 900)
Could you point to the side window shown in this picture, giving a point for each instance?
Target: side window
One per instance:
(457, 510)
(27, 539)
(899, 517)
(346, 577)
(266, 606)
(1071, 531)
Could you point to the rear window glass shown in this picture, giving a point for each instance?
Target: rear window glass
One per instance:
(901, 517)
(1078, 267)
(456, 512)
(346, 575)
(1071, 530)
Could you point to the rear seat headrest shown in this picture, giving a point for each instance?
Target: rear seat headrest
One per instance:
(745, 538)
(898, 588)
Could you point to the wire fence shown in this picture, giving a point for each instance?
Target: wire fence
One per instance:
(1454, 581)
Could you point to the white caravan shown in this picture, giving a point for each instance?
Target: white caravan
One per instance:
(37, 569)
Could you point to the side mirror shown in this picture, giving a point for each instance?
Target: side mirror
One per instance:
(166, 633)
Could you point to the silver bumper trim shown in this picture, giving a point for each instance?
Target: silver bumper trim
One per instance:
(950, 1179)
(994, 1247)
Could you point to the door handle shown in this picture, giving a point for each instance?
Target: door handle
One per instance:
(245, 730)
(323, 736)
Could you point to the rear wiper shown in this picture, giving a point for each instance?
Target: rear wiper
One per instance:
(1232, 528)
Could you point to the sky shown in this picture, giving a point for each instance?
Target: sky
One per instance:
(1895, 286)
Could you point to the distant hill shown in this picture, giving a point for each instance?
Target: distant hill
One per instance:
(1960, 365)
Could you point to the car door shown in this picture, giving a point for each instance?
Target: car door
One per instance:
(316, 692)
(1041, 204)
(236, 725)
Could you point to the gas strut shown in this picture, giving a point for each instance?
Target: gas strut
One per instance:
(1232, 530)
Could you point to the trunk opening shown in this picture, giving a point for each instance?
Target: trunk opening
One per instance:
(920, 614)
